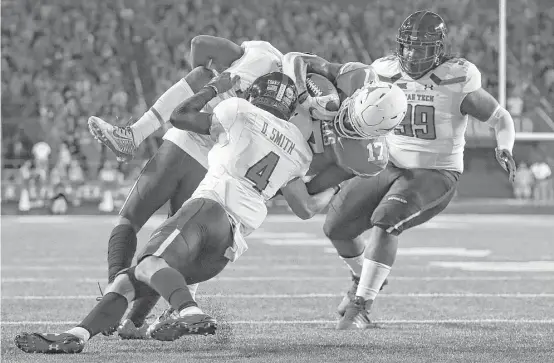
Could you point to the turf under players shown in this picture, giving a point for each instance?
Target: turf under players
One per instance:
(425, 158)
(257, 153)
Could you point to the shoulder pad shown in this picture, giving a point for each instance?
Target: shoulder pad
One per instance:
(227, 110)
(363, 158)
(459, 73)
(262, 46)
(387, 66)
(351, 66)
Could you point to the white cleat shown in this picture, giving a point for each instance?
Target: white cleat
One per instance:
(118, 139)
(168, 313)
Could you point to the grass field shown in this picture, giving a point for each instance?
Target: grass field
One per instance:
(465, 288)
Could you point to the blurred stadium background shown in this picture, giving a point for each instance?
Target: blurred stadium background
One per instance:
(65, 60)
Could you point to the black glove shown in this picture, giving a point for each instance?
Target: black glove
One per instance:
(506, 161)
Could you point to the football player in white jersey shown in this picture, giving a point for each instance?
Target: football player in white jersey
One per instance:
(425, 156)
(180, 163)
(257, 153)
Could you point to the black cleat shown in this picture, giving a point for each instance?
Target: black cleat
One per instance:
(49, 343)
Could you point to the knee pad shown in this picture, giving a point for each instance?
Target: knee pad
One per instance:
(387, 219)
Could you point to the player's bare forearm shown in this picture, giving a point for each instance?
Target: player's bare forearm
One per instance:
(297, 65)
(328, 178)
(187, 115)
(303, 204)
(483, 106)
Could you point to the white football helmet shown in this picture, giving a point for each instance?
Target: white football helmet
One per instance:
(372, 111)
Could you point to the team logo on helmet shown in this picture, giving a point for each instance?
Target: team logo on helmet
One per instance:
(276, 93)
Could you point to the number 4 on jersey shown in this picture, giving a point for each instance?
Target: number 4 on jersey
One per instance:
(260, 172)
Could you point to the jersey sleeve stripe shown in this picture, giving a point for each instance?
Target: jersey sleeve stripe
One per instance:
(444, 82)
(158, 116)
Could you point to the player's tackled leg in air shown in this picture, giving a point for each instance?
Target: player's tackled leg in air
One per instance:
(247, 168)
(180, 163)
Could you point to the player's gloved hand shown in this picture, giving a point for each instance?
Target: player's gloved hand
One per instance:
(223, 82)
(321, 108)
(506, 161)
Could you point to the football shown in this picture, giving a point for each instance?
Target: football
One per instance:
(320, 86)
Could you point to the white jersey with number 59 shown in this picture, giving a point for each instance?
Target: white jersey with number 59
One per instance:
(255, 155)
(432, 135)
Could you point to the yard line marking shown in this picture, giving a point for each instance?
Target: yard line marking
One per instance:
(300, 296)
(315, 322)
(440, 251)
(505, 219)
(500, 266)
(297, 242)
(335, 265)
(431, 251)
(270, 235)
(297, 278)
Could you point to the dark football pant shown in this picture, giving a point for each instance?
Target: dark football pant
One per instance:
(170, 175)
(395, 200)
(193, 241)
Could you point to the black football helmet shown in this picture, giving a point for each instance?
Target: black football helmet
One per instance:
(274, 92)
(421, 43)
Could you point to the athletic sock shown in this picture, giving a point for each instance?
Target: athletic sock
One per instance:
(141, 308)
(80, 333)
(121, 249)
(159, 114)
(354, 263)
(192, 289)
(105, 314)
(191, 310)
(171, 285)
(372, 278)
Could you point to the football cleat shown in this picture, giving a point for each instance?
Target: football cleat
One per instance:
(351, 294)
(128, 331)
(49, 343)
(118, 139)
(174, 328)
(356, 314)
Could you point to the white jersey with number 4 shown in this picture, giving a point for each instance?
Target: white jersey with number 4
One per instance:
(432, 135)
(255, 155)
(259, 58)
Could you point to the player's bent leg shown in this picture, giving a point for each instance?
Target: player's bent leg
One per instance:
(153, 188)
(190, 180)
(349, 216)
(414, 198)
(192, 243)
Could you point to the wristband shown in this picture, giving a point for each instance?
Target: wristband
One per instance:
(212, 87)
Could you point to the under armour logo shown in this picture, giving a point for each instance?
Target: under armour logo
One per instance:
(52, 347)
(428, 86)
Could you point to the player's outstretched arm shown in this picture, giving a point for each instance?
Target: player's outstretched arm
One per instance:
(328, 178)
(484, 107)
(187, 116)
(213, 52)
(302, 203)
